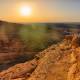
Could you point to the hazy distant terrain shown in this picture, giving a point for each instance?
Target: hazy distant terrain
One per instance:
(21, 43)
(36, 36)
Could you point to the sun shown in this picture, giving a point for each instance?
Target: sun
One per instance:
(25, 10)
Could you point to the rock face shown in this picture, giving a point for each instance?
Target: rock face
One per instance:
(10, 51)
(10, 45)
(58, 62)
(19, 70)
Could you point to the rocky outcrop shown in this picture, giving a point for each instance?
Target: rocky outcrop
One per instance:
(19, 71)
(58, 62)
(10, 51)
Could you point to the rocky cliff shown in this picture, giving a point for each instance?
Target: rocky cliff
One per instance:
(58, 62)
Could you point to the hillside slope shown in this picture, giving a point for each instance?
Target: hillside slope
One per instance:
(58, 62)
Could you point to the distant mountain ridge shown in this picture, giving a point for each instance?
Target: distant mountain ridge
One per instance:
(57, 25)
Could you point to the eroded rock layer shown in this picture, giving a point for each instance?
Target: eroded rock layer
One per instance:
(58, 62)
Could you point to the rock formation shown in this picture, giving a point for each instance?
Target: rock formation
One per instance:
(58, 62)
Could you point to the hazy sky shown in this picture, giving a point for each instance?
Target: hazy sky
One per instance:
(42, 10)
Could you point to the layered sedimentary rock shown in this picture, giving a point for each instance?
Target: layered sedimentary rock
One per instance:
(58, 62)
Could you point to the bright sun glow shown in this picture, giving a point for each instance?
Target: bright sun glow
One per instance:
(25, 11)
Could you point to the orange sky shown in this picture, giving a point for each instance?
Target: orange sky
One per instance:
(42, 10)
